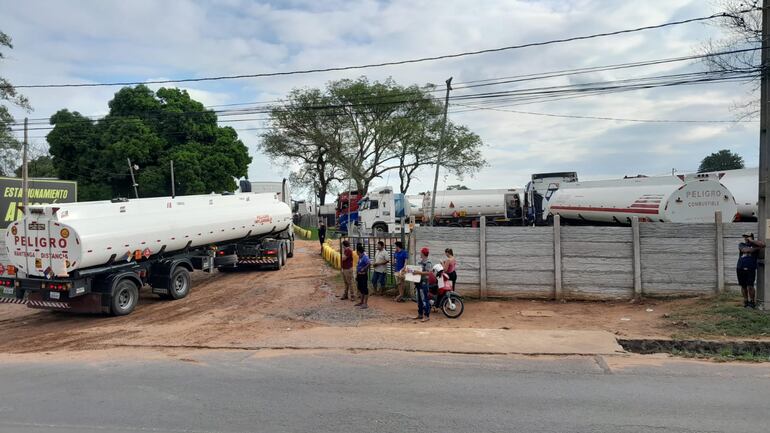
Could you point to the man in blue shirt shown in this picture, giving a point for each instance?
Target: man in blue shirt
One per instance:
(748, 252)
(400, 257)
(362, 276)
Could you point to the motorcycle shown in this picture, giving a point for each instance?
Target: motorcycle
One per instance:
(441, 294)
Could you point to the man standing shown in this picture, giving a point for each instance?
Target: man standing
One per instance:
(347, 271)
(322, 235)
(362, 276)
(400, 256)
(748, 252)
(423, 303)
(381, 259)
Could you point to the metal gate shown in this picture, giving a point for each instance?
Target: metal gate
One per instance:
(370, 248)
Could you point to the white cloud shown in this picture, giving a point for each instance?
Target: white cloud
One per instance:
(91, 41)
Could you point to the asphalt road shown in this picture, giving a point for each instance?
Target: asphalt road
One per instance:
(302, 391)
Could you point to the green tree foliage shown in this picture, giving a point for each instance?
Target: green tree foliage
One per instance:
(9, 145)
(152, 129)
(722, 160)
(41, 166)
(457, 187)
(364, 130)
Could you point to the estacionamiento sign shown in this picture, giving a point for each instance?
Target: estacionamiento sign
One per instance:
(40, 191)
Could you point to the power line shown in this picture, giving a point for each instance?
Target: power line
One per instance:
(266, 109)
(394, 63)
(618, 119)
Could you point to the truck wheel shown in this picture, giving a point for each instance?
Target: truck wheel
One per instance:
(125, 296)
(179, 284)
(279, 258)
(291, 248)
(379, 229)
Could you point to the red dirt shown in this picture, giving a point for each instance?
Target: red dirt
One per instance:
(229, 310)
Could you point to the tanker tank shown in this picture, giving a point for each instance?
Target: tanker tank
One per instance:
(658, 199)
(58, 239)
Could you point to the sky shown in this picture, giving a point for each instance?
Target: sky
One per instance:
(109, 40)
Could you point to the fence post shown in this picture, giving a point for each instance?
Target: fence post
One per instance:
(413, 246)
(720, 252)
(558, 292)
(483, 258)
(636, 244)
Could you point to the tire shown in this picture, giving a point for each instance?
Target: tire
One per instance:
(290, 253)
(459, 307)
(281, 253)
(125, 296)
(179, 283)
(379, 229)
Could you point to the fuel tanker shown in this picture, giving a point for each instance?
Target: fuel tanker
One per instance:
(744, 183)
(95, 256)
(688, 199)
(463, 207)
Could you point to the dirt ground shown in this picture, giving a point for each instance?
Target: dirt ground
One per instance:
(235, 309)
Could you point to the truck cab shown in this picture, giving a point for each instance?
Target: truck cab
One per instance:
(539, 190)
(347, 208)
(381, 211)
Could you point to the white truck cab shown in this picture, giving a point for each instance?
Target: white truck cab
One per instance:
(381, 211)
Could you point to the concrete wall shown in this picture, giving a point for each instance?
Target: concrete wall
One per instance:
(587, 262)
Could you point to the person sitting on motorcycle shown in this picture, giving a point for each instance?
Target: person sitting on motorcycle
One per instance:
(423, 303)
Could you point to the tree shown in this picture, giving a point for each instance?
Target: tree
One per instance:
(152, 129)
(42, 166)
(742, 26)
(302, 138)
(722, 160)
(9, 145)
(362, 130)
(457, 187)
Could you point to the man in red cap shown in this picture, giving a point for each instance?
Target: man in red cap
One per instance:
(423, 303)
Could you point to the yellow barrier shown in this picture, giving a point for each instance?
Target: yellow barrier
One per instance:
(306, 234)
(334, 257)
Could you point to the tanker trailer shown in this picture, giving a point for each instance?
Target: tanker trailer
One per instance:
(658, 199)
(95, 256)
(462, 208)
(744, 184)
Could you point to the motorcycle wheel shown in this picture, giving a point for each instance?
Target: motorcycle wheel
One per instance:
(447, 309)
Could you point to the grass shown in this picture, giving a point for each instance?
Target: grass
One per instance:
(724, 355)
(330, 233)
(718, 317)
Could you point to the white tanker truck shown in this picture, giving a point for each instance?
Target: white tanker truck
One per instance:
(744, 184)
(690, 199)
(95, 256)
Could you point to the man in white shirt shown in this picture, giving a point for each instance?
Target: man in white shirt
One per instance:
(381, 259)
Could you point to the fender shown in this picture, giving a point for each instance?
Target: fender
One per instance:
(160, 273)
(107, 287)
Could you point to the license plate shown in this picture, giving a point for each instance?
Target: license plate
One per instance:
(54, 295)
(7, 290)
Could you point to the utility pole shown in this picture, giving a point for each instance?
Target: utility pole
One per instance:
(25, 167)
(440, 150)
(349, 186)
(173, 186)
(133, 180)
(763, 277)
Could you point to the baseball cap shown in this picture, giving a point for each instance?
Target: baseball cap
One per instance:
(425, 251)
(749, 234)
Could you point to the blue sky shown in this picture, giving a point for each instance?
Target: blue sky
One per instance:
(96, 41)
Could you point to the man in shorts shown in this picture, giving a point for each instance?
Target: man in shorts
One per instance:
(400, 257)
(748, 253)
(362, 276)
